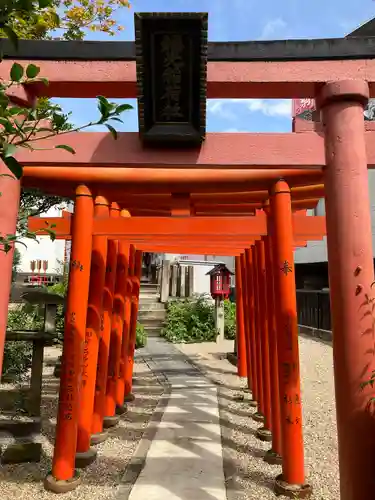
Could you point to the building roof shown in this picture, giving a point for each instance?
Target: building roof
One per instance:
(366, 29)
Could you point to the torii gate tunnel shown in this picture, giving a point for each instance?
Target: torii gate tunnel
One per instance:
(173, 186)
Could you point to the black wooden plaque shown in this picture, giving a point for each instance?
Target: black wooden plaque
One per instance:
(171, 55)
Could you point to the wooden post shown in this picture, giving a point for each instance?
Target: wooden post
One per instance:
(273, 456)
(240, 323)
(292, 479)
(351, 276)
(252, 334)
(246, 319)
(129, 396)
(174, 277)
(182, 281)
(121, 405)
(165, 277)
(117, 326)
(98, 435)
(10, 189)
(86, 455)
(259, 415)
(264, 433)
(63, 476)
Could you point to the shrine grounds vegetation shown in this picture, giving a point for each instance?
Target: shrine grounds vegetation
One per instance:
(192, 320)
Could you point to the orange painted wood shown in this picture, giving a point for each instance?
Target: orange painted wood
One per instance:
(93, 332)
(63, 465)
(104, 345)
(192, 226)
(255, 79)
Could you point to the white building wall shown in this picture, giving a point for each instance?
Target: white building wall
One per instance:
(42, 249)
(316, 251)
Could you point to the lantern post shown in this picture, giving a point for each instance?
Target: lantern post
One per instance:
(220, 290)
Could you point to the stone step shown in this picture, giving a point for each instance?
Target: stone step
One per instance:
(149, 288)
(151, 306)
(151, 321)
(152, 315)
(148, 300)
(152, 331)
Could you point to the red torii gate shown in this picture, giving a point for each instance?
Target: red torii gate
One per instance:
(230, 164)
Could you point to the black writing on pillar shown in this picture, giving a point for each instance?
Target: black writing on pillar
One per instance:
(102, 322)
(76, 264)
(292, 420)
(286, 268)
(286, 371)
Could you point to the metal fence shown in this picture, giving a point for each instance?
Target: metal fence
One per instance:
(313, 308)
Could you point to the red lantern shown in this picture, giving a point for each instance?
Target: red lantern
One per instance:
(220, 281)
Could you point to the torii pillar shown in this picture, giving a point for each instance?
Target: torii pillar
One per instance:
(10, 189)
(351, 275)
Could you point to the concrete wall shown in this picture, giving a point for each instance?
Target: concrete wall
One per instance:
(201, 281)
(316, 251)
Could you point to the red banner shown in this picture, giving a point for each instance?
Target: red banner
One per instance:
(301, 105)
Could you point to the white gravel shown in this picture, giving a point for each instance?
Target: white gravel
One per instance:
(101, 480)
(247, 475)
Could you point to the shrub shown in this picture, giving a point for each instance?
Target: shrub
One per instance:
(140, 336)
(190, 320)
(17, 360)
(229, 320)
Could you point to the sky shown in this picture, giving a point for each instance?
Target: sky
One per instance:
(239, 20)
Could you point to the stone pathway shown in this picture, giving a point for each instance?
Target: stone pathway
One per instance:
(184, 459)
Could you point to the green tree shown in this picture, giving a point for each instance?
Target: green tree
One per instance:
(41, 19)
(22, 127)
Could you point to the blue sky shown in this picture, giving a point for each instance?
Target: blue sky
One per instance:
(236, 20)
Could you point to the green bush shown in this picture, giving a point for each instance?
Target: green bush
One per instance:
(229, 320)
(190, 320)
(140, 336)
(17, 360)
(25, 317)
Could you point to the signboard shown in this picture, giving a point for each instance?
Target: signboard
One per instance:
(171, 56)
(301, 106)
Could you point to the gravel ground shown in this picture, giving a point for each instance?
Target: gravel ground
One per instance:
(247, 475)
(102, 479)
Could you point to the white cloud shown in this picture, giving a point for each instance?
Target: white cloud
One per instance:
(276, 107)
(272, 28)
(268, 107)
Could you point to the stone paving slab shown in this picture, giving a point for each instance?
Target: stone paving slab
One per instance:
(184, 460)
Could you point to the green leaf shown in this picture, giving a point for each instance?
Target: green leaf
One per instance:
(112, 130)
(16, 111)
(16, 72)
(9, 150)
(52, 234)
(43, 80)
(14, 166)
(67, 148)
(32, 71)
(31, 236)
(44, 3)
(115, 119)
(4, 101)
(104, 107)
(123, 107)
